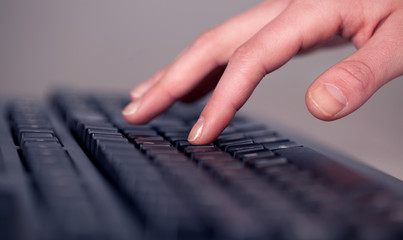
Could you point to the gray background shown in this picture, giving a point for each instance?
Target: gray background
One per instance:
(114, 45)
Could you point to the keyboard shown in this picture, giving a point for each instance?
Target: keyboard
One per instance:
(72, 168)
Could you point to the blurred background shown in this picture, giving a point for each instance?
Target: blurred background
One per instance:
(114, 45)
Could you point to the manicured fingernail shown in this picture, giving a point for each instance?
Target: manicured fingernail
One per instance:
(328, 99)
(131, 109)
(135, 95)
(138, 93)
(196, 130)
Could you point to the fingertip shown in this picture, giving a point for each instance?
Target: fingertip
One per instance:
(145, 86)
(195, 134)
(129, 112)
(140, 90)
(135, 95)
(326, 101)
(134, 114)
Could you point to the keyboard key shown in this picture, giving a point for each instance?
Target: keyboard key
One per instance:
(134, 134)
(246, 156)
(260, 163)
(151, 140)
(226, 143)
(242, 148)
(280, 145)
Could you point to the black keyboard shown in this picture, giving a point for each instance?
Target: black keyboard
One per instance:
(73, 168)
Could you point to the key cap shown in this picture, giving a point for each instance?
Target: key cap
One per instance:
(245, 156)
(280, 145)
(152, 140)
(260, 163)
(134, 134)
(225, 144)
(234, 149)
(269, 139)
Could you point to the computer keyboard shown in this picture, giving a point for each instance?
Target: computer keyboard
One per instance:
(73, 168)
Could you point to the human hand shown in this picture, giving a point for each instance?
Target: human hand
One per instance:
(259, 41)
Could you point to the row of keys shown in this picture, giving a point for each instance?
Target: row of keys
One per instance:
(245, 144)
(229, 160)
(250, 183)
(58, 184)
(172, 193)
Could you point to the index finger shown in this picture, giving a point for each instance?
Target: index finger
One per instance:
(210, 50)
(298, 27)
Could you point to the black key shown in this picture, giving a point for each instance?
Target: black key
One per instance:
(172, 160)
(92, 140)
(170, 129)
(177, 139)
(133, 134)
(269, 139)
(260, 133)
(96, 127)
(151, 140)
(151, 152)
(280, 145)
(157, 148)
(200, 156)
(105, 149)
(99, 141)
(222, 163)
(200, 148)
(169, 157)
(40, 156)
(176, 134)
(22, 131)
(230, 137)
(245, 156)
(280, 170)
(181, 144)
(52, 139)
(18, 126)
(127, 127)
(231, 175)
(87, 134)
(234, 149)
(260, 163)
(225, 143)
(36, 135)
(42, 144)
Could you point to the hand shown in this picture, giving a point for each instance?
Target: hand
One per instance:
(257, 42)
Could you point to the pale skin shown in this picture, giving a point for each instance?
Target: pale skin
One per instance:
(233, 57)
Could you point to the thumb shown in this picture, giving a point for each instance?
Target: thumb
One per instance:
(350, 83)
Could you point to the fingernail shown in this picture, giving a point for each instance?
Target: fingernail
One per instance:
(139, 92)
(131, 109)
(135, 95)
(328, 99)
(196, 130)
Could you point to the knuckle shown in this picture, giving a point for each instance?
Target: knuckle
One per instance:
(244, 52)
(249, 60)
(205, 39)
(171, 93)
(174, 93)
(244, 56)
(359, 75)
